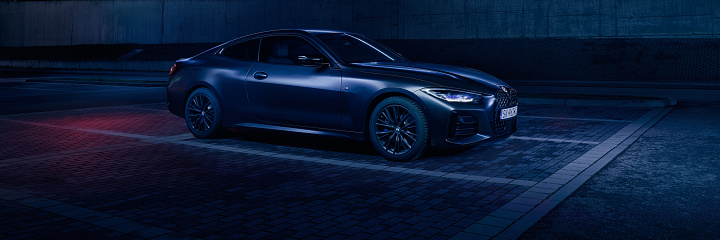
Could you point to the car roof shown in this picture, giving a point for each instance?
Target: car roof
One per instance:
(316, 31)
(311, 31)
(305, 32)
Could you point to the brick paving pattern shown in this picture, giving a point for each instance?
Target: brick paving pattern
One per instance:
(134, 172)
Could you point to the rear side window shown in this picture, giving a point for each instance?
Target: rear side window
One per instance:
(245, 51)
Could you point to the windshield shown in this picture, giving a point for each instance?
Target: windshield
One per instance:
(358, 49)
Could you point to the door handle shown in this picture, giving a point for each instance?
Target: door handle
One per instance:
(260, 75)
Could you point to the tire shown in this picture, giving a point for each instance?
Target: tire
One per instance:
(203, 114)
(398, 129)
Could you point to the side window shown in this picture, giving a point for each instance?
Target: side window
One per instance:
(246, 51)
(286, 50)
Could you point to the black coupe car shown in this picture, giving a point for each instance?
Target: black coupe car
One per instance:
(339, 84)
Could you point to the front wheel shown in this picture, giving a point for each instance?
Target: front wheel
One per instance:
(398, 129)
(203, 114)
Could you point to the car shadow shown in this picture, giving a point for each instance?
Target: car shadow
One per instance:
(298, 140)
(326, 143)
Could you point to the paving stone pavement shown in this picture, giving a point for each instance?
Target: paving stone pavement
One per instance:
(134, 172)
(664, 186)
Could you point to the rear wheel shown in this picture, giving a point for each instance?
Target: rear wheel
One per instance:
(398, 129)
(203, 114)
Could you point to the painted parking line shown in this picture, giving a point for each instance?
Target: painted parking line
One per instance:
(577, 119)
(513, 218)
(181, 140)
(553, 140)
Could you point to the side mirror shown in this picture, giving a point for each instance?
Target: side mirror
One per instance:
(312, 62)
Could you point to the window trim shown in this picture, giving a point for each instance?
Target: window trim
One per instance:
(257, 55)
(319, 49)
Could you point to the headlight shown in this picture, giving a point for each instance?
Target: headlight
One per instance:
(453, 95)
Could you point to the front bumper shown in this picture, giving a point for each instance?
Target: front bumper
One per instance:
(463, 124)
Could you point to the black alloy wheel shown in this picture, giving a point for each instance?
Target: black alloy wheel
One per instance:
(398, 129)
(203, 114)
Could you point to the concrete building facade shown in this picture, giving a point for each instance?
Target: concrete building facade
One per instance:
(48, 23)
(643, 41)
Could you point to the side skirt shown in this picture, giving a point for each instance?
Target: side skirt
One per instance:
(349, 135)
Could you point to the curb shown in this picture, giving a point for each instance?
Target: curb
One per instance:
(114, 82)
(90, 65)
(617, 84)
(659, 103)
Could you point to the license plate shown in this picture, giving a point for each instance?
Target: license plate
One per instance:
(508, 113)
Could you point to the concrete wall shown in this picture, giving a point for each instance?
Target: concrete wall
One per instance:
(46, 23)
(162, 66)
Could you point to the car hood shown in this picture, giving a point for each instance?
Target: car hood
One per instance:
(438, 74)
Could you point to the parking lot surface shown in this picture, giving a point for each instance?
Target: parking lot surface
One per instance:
(134, 171)
(664, 186)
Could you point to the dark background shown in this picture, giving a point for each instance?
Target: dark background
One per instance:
(662, 186)
(647, 41)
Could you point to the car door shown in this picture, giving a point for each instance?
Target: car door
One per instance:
(281, 89)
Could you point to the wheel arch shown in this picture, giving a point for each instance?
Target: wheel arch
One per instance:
(192, 88)
(379, 97)
(211, 116)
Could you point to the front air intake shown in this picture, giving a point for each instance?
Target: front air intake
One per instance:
(461, 126)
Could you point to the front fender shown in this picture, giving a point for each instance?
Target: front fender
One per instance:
(361, 92)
